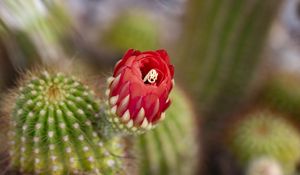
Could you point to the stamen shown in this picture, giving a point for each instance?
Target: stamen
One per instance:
(151, 76)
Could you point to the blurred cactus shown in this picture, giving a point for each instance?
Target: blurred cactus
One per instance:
(19, 48)
(265, 133)
(282, 92)
(51, 129)
(221, 48)
(6, 67)
(42, 21)
(218, 54)
(171, 147)
(135, 29)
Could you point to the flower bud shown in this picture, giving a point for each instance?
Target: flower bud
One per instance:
(138, 91)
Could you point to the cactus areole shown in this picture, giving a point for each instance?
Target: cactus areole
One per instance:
(138, 91)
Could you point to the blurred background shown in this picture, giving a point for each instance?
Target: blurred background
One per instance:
(238, 61)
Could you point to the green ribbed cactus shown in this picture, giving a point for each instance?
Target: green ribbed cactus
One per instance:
(218, 55)
(221, 48)
(282, 93)
(171, 147)
(133, 30)
(52, 129)
(263, 133)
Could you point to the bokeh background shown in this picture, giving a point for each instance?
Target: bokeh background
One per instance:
(238, 61)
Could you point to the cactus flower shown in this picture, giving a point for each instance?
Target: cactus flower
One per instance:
(138, 91)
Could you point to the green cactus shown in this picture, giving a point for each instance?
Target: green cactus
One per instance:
(221, 49)
(263, 133)
(171, 147)
(218, 55)
(41, 24)
(51, 129)
(133, 30)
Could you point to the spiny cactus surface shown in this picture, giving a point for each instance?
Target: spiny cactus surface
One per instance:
(171, 147)
(51, 130)
(264, 133)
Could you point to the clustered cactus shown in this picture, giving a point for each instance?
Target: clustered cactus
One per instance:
(264, 133)
(51, 128)
(57, 124)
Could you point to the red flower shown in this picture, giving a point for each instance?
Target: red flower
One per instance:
(139, 89)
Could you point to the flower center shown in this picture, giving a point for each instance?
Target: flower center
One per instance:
(151, 76)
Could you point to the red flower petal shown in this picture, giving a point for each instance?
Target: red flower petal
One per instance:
(164, 55)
